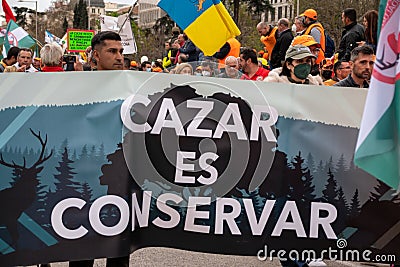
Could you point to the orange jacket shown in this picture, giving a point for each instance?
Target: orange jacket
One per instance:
(269, 41)
(235, 50)
(318, 25)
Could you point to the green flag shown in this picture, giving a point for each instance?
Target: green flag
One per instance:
(16, 36)
(378, 145)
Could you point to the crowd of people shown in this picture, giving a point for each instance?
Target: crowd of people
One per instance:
(301, 53)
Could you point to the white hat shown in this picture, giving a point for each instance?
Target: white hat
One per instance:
(143, 59)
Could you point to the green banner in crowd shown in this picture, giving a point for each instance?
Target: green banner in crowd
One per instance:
(79, 40)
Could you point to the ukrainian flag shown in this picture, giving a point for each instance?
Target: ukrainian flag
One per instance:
(206, 22)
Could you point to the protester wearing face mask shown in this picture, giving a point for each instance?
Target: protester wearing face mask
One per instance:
(326, 69)
(145, 66)
(207, 69)
(296, 68)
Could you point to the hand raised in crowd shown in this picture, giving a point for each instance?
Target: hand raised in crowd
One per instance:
(22, 68)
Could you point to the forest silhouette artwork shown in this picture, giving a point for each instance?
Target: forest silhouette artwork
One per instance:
(110, 202)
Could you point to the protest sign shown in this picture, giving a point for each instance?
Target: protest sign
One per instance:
(125, 160)
(79, 40)
(122, 26)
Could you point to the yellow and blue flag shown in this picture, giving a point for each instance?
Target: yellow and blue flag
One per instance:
(206, 22)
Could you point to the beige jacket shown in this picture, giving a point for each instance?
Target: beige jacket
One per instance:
(273, 76)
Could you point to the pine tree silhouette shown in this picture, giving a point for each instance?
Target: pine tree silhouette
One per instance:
(380, 189)
(355, 207)
(330, 191)
(341, 167)
(84, 153)
(301, 181)
(74, 157)
(65, 184)
(64, 145)
(311, 163)
(101, 154)
(342, 204)
(343, 211)
(87, 192)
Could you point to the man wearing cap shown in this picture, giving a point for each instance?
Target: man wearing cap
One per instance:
(315, 48)
(341, 69)
(282, 43)
(353, 33)
(309, 19)
(361, 63)
(267, 37)
(133, 65)
(36, 63)
(326, 69)
(296, 68)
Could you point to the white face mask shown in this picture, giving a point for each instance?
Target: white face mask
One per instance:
(198, 74)
(148, 69)
(206, 73)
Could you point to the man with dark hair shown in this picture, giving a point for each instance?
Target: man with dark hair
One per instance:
(248, 63)
(282, 43)
(11, 58)
(361, 63)
(353, 33)
(107, 51)
(24, 61)
(145, 66)
(341, 69)
(189, 49)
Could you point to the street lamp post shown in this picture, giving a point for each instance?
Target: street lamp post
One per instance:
(88, 15)
(298, 4)
(36, 17)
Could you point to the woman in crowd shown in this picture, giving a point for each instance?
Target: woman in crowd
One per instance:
(52, 58)
(296, 68)
(370, 22)
(184, 68)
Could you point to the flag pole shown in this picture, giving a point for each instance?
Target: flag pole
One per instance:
(129, 13)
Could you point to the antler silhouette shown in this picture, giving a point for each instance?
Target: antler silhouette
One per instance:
(41, 159)
(385, 65)
(13, 165)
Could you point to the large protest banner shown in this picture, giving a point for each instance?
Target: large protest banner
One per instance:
(100, 164)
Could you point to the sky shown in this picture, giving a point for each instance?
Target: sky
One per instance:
(44, 4)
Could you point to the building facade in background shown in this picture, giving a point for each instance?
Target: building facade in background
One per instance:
(149, 13)
(282, 9)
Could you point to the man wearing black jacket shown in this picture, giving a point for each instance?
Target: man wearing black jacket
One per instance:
(282, 43)
(353, 33)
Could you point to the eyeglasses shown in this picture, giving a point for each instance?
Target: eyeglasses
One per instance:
(345, 68)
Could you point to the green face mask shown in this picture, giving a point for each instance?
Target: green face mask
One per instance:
(301, 71)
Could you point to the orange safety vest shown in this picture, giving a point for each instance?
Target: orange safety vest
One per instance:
(318, 25)
(269, 41)
(235, 50)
